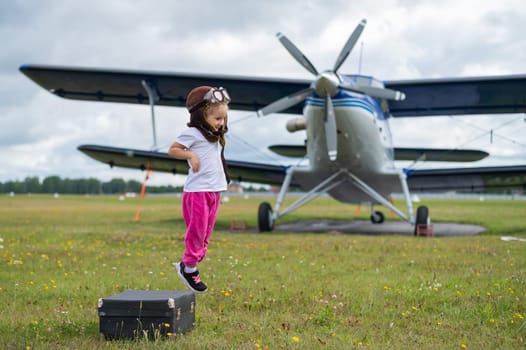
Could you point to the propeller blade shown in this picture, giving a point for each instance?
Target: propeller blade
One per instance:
(297, 54)
(285, 102)
(331, 133)
(349, 45)
(378, 92)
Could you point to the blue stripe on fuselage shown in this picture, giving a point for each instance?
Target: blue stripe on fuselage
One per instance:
(345, 99)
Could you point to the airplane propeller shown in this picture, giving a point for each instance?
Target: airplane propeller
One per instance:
(297, 54)
(327, 84)
(349, 45)
(285, 102)
(330, 127)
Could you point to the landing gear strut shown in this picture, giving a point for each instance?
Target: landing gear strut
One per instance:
(267, 217)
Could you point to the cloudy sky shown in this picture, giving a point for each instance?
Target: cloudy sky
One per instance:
(403, 39)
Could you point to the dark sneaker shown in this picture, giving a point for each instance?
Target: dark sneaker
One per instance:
(191, 280)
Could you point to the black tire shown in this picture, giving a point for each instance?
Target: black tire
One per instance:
(377, 217)
(265, 223)
(422, 216)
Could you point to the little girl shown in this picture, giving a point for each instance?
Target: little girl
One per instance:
(202, 145)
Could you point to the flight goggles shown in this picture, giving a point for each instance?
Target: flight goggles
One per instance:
(215, 95)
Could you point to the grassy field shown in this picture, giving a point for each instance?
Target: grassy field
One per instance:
(276, 290)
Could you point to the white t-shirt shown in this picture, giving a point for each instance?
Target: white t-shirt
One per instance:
(211, 176)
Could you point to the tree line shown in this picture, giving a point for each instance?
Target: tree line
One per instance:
(55, 184)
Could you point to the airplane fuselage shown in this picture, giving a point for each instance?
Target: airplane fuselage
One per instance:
(364, 146)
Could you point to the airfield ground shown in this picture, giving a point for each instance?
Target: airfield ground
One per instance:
(281, 290)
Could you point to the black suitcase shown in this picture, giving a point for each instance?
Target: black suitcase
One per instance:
(145, 313)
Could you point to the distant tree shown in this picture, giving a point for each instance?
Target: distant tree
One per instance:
(51, 184)
(10, 186)
(114, 186)
(54, 184)
(66, 186)
(133, 186)
(93, 186)
(32, 185)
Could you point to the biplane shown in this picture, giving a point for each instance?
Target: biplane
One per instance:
(346, 119)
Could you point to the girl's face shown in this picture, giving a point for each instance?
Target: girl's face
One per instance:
(216, 116)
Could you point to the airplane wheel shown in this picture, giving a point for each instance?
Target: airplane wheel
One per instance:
(422, 216)
(377, 217)
(265, 217)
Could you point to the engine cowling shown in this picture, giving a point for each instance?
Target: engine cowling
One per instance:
(296, 124)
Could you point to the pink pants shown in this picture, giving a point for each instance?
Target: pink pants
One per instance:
(199, 213)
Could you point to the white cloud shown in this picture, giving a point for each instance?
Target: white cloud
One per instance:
(402, 40)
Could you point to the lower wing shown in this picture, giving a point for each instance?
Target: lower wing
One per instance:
(477, 179)
(160, 161)
(474, 179)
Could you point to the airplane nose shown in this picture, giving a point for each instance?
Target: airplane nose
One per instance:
(326, 83)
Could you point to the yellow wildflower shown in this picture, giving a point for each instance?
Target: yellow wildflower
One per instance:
(295, 339)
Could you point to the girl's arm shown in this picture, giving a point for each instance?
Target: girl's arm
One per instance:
(179, 151)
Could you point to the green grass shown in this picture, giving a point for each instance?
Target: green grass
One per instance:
(276, 290)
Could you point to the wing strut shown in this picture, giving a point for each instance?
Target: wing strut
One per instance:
(152, 98)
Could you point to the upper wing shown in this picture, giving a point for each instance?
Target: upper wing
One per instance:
(105, 85)
(483, 95)
(159, 161)
(478, 179)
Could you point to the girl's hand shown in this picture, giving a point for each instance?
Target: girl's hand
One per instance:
(179, 151)
(195, 162)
